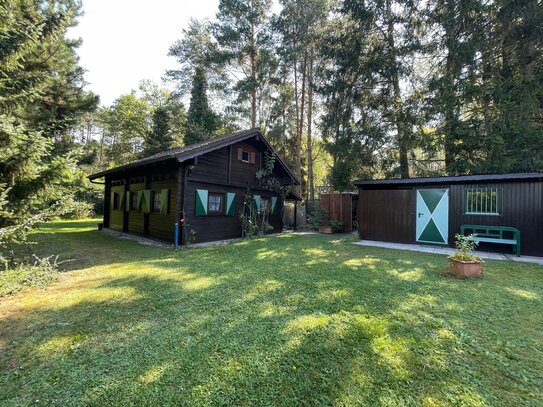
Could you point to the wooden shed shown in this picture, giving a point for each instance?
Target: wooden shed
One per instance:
(201, 186)
(433, 210)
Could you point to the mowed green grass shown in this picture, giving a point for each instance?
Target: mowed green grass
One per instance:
(282, 320)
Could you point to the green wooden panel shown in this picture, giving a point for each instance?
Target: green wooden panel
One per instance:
(121, 201)
(147, 201)
(274, 207)
(112, 201)
(257, 202)
(140, 201)
(230, 203)
(201, 202)
(164, 201)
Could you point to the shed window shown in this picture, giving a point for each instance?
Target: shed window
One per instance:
(115, 200)
(156, 201)
(245, 156)
(215, 203)
(483, 201)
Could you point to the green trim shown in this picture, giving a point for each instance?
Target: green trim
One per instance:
(121, 201)
(147, 201)
(201, 202)
(274, 207)
(164, 201)
(230, 203)
(257, 202)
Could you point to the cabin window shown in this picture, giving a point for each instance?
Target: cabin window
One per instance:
(265, 205)
(215, 204)
(482, 201)
(133, 201)
(156, 201)
(246, 156)
(115, 200)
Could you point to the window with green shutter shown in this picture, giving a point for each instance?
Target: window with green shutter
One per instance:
(139, 201)
(201, 202)
(121, 201)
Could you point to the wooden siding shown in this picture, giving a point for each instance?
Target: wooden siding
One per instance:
(162, 227)
(135, 218)
(216, 227)
(338, 207)
(389, 214)
(116, 215)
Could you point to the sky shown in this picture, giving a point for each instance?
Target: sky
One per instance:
(126, 41)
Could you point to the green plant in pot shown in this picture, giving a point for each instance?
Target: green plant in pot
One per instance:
(464, 263)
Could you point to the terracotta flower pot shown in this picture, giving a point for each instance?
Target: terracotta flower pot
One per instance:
(325, 229)
(466, 268)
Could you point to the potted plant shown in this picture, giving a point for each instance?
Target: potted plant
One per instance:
(463, 262)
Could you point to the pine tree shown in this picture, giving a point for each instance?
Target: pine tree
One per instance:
(160, 137)
(201, 121)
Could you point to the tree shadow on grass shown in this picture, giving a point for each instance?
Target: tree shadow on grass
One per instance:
(306, 322)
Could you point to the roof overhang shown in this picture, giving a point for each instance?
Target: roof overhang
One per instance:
(191, 152)
(461, 179)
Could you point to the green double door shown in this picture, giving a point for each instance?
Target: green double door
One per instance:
(432, 215)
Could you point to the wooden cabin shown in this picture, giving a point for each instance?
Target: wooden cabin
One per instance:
(500, 209)
(201, 186)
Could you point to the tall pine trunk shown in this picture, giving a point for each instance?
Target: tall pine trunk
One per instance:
(311, 186)
(253, 76)
(398, 113)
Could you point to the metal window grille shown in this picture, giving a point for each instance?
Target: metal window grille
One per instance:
(483, 201)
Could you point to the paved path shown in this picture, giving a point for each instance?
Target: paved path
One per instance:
(447, 251)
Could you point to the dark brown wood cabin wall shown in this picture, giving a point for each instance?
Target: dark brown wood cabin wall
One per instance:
(162, 226)
(135, 218)
(116, 215)
(389, 214)
(217, 227)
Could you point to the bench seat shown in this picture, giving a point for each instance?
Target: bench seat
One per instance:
(493, 234)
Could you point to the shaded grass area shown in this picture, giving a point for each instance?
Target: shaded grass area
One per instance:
(282, 320)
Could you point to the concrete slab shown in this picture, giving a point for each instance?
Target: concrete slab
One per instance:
(447, 251)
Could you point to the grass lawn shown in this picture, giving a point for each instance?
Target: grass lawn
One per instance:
(283, 320)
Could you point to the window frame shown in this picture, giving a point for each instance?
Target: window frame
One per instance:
(222, 202)
(133, 201)
(267, 206)
(155, 208)
(471, 207)
(248, 160)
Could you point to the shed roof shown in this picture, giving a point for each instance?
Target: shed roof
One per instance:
(194, 150)
(459, 179)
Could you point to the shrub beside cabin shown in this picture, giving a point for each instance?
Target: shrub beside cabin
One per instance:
(205, 181)
(433, 210)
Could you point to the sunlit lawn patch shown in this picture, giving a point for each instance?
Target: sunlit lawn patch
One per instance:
(283, 320)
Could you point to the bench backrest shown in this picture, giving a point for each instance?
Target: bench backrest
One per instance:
(490, 231)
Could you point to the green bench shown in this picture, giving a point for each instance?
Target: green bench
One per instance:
(493, 234)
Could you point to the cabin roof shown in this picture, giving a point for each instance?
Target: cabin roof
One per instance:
(459, 179)
(194, 150)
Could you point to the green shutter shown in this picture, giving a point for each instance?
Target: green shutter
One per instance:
(201, 202)
(139, 202)
(274, 206)
(257, 202)
(164, 201)
(147, 199)
(121, 201)
(230, 203)
(112, 201)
